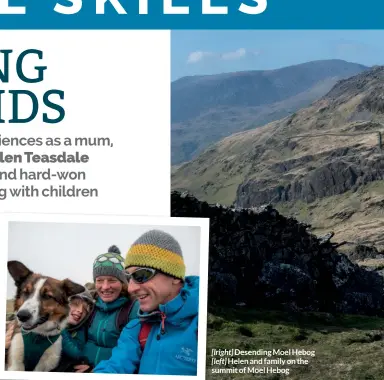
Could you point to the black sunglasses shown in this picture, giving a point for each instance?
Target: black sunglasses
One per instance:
(141, 275)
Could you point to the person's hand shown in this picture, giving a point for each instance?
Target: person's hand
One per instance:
(82, 367)
(9, 334)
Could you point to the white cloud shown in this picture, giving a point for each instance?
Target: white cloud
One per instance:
(232, 55)
(198, 56)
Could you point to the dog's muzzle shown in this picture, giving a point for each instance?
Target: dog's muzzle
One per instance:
(24, 316)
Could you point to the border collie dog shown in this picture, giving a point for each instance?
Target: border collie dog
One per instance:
(41, 308)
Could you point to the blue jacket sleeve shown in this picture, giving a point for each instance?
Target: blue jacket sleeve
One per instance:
(73, 345)
(126, 355)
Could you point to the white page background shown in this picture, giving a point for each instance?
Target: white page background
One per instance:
(117, 85)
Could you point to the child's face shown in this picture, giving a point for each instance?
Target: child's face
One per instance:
(78, 310)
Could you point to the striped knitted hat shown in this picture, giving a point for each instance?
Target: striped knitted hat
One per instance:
(110, 264)
(158, 250)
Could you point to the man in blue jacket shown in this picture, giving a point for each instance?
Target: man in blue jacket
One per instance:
(163, 341)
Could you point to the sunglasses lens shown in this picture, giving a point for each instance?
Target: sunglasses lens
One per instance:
(142, 275)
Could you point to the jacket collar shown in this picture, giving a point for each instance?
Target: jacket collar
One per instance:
(110, 306)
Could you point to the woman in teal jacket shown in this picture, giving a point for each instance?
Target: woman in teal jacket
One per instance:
(113, 309)
(104, 330)
(171, 346)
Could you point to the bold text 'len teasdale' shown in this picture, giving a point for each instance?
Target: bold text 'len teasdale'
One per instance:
(44, 158)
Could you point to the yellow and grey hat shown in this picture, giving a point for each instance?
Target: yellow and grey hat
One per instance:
(158, 250)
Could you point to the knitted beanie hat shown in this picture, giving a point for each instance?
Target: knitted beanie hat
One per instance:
(158, 250)
(110, 264)
(86, 296)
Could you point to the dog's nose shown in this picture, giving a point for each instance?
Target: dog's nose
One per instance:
(23, 315)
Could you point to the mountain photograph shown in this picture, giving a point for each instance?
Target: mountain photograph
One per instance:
(287, 163)
(323, 163)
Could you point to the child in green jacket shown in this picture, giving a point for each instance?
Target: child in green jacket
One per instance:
(74, 336)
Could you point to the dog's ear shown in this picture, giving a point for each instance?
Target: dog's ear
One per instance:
(18, 271)
(71, 288)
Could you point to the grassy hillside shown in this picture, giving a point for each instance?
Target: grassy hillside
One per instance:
(346, 347)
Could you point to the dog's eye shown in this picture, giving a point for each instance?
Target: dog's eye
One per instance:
(47, 296)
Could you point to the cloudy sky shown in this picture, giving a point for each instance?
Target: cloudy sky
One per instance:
(211, 52)
(63, 250)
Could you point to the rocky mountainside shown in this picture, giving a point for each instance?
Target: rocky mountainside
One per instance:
(260, 258)
(208, 108)
(324, 164)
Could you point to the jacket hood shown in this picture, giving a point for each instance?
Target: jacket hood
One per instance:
(182, 308)
(86, 296)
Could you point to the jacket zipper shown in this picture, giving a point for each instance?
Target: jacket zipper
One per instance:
(103, 332)
(98, 332)
(97, 342)
(162, 325)
(161, 332)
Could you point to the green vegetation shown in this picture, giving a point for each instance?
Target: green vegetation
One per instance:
(346, 346)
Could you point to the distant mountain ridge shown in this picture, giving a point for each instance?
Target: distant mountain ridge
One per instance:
(208, 108)
(332, 180)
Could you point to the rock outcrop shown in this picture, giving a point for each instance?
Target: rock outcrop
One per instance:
(263, 259)
(333, 178)
(362, 252)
